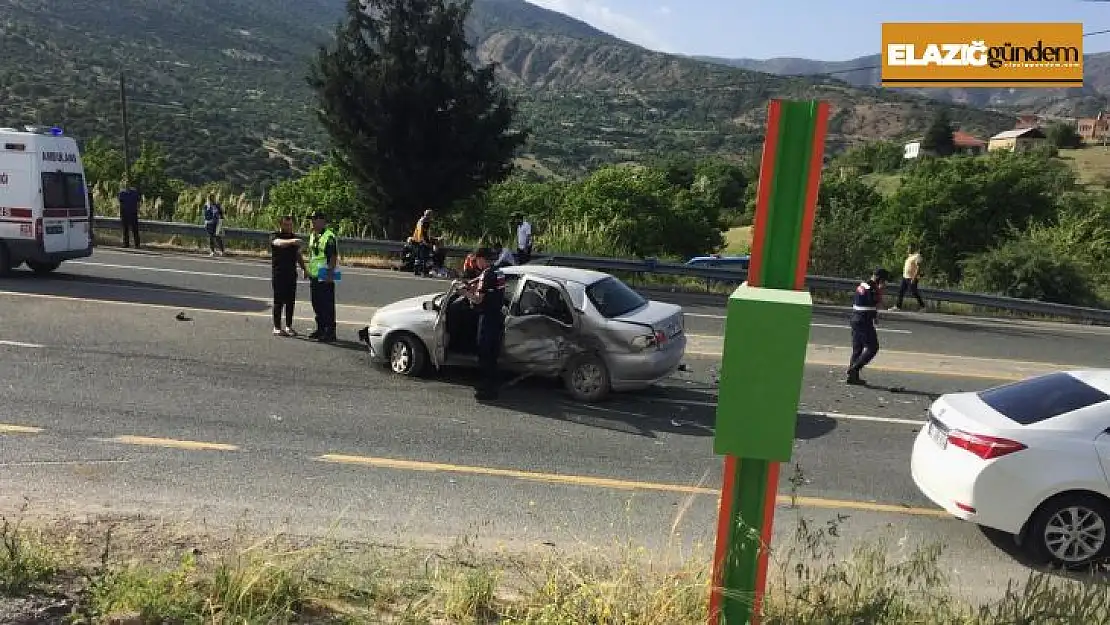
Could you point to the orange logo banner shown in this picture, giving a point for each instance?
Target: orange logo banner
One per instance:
(992, 54)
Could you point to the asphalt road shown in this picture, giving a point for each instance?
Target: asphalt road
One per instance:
(110, 403)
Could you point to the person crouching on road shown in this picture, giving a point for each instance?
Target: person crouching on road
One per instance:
(865, 313)
(285, 255)
(323, 255)
(487, 294)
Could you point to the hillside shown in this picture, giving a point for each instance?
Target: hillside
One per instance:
(1089, 100)
(220, 83)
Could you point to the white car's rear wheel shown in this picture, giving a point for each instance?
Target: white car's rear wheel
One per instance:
(587, 379)
(407, 355)
(1071, 531)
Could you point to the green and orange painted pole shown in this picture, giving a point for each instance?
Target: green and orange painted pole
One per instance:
(766, 333)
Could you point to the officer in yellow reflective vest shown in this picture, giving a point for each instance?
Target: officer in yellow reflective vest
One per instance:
(323, 254)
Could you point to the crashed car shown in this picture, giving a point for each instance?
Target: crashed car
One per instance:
(586, 327)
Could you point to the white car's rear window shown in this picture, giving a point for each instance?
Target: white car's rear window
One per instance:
(1045, 397)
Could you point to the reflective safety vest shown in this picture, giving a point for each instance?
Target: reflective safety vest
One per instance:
(317, 259)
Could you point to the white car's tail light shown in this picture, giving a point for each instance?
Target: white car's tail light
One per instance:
(986, 447)
(643, 342)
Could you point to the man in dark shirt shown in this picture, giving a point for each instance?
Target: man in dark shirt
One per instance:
(285, 257)
(865, 313)
(487, 294)
(129, 213)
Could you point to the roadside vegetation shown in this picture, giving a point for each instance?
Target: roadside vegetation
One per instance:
(1023, 225)
(146, 572)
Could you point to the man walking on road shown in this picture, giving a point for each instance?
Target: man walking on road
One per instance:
(488, 296)
(214, 224)
(865, 313)
(285, 255)
(523, 240)
(911, 272)
(129, 200)
(323, 254)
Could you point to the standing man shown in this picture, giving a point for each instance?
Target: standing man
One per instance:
(865, 313)
(422, 237)
(323, 254)
(523, 240)
(285, 256)
(213, 223)
(129, 200)
(488, 296)
(911, 272)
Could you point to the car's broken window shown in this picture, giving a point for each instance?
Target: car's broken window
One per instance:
(541, 299)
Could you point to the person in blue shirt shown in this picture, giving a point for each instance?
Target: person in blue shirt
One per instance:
(865, 313)
(213, 223)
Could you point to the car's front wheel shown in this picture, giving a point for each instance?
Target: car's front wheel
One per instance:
(587, 378)
(407, 355)
(1071, 531)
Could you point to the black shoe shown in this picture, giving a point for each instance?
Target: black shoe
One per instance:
(316, 334)
(485, 395)
(855, 380)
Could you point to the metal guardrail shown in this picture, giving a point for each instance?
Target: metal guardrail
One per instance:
(650, 266)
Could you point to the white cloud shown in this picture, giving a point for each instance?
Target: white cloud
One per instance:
(602, 17)
(666, 10)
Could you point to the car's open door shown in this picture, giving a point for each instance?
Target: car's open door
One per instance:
(439, 332)
(541, 330)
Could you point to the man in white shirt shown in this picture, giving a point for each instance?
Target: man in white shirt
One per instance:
(523, 239)
(911, 274)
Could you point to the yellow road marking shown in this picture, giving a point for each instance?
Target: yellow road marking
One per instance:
(170, 442)
(614, 484)
(18, 429)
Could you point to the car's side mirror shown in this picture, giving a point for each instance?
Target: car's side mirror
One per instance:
(425, 305)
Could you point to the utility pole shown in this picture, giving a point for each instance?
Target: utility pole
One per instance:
(126, 134)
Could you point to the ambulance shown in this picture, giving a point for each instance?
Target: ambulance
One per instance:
(44, 201)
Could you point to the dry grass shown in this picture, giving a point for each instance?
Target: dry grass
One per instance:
(1092, 164)
(738, 241)
(134, 571)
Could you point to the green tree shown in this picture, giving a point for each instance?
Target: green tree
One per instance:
(873, 157)
(961, 206)
(1021, 268)
(412, 120)
(1063, 135)
(643, 212)
(939, 137)
(103, 164)
(151, 178)
(846, 239)
(489, 214)
(324, 188)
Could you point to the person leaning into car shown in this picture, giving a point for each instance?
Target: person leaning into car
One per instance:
(487, 294)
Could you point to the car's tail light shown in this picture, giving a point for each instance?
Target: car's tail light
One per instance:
(986, 447)
(643, 342)
(660, 337)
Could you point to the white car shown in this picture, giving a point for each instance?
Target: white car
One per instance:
(1029, 459)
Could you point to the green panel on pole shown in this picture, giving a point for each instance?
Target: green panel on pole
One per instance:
(786, 210)
(766, 334)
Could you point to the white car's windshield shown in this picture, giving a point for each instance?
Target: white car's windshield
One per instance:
(613, 298)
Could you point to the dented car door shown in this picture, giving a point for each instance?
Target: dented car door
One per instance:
(541, 329)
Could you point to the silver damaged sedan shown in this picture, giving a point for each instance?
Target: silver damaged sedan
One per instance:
(586, 327)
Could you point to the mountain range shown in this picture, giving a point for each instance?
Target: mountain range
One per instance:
(865, 72)
(220, 84)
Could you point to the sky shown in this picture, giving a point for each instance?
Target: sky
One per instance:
(814, 29)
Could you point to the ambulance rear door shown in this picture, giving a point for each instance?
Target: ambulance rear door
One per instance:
(65, 214)
(18, 193)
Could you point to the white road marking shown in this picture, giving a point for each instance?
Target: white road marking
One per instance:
(379, 275)
(21, 344)
(815, 325)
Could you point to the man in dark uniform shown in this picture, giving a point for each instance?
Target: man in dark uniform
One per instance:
(129, 200)
(865, 312)
(285, 253)
(488, 295)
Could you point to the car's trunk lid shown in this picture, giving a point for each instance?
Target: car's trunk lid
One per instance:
(658, 317)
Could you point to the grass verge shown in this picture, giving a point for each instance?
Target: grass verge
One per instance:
(131, 571)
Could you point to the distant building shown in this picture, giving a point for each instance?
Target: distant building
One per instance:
(965, 144)
(1018, 140)
(1028, 121)
(1093, 129)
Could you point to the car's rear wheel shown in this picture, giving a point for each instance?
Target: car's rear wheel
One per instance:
(1071, 531)
(407, 355)
(587, 379)
(42, 268)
